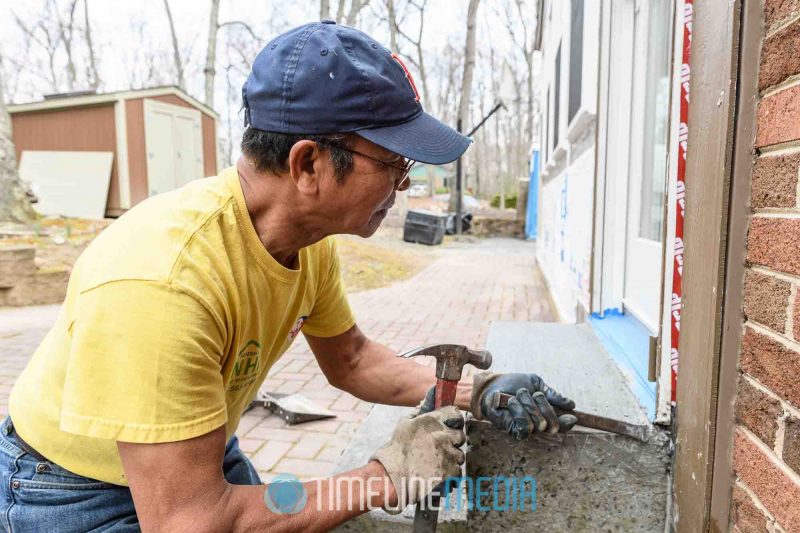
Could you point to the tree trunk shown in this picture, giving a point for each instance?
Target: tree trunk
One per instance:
(340, 12)
(176, 54)
(211, 53)
(392, 25)
(419, 62)
(355, 7)
(466, 79)
(420, 59)
(66, 31)
(324, 9)
(527, 52)
(92, 75)
(15, 206)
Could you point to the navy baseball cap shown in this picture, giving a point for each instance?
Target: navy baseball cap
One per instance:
(324, 78)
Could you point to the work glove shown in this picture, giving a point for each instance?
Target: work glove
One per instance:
(530, 409)
(423, 447)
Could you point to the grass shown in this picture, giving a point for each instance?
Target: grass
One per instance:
(58, 240)
(366, 265)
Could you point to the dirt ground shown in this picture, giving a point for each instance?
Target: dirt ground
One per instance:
(58, 240)
(365, 264)
(381, 260)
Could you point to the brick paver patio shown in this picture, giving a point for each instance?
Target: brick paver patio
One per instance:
(454, 299)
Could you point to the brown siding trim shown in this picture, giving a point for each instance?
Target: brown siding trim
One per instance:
(137, 155)
(209, 145)
(739, 210)
(710, 155)
(174, 100)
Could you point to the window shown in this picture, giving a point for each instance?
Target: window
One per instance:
(557, 98)
(656, 122)
(575, 57)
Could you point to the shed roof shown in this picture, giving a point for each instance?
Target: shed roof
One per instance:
(82, 99)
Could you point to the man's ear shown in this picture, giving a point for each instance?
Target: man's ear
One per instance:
(307, 165)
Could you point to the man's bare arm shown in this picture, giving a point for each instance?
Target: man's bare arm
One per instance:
(372, 372)
(180, 486)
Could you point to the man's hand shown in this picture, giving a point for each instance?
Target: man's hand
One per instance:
(422, 448)
(529, 410)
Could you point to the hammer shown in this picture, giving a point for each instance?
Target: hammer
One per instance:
(450, 361)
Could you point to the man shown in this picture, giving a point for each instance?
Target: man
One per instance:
(125, 416)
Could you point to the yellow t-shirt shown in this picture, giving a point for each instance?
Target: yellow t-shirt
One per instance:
(173, 317)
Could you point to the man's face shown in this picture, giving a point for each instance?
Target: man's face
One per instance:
(359, 204)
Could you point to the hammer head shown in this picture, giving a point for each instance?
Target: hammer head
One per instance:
(451, 358)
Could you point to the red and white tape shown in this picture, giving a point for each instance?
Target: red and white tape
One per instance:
(680, 196)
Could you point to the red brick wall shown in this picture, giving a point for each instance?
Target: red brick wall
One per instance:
(766, 456)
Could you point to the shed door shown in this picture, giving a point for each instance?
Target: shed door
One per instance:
(174, 144)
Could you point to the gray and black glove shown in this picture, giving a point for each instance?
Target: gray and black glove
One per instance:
(530, 409)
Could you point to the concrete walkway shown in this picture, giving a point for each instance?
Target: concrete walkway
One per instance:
(454, 299)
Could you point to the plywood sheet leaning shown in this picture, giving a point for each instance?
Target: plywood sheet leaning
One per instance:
(72, 184)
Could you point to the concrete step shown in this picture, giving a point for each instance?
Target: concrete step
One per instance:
(586, 480)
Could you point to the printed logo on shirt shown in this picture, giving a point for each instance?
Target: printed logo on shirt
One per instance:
(296, 329)
(245, 368)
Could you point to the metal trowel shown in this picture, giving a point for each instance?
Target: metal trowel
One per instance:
(294, 408)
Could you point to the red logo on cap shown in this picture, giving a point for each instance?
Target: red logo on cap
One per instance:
(408, 76)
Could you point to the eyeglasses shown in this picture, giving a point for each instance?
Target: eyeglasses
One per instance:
(403, 182)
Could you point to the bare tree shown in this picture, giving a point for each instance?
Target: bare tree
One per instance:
(469, 63)
(498, 159)
(246, 53)
(324, 9)
(211, 53)
(15, 206)
(466, 79)
(44, 35)
(230, 95)
(391, 15)
(66, 31)
(176, 54)
(241, 44)
(15, 69)
(523, 41)
(340, 12)
(419, 61)
(56, 30)
(92, 73)
(352, 14)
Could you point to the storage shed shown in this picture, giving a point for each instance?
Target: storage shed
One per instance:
(160, 138)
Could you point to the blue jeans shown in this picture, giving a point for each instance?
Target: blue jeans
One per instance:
(40, 496)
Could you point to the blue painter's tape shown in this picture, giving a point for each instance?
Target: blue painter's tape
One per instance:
(611, 311)
(628, 343)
